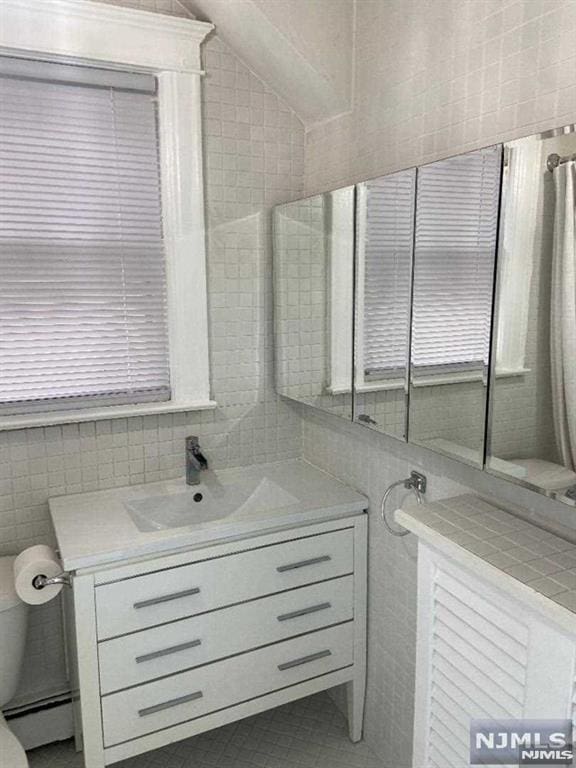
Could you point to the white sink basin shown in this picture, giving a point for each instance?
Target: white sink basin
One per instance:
(210, 500)
(112, 525)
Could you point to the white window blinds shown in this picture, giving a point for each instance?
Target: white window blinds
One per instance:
(455, 247)
(387, 273)
(83, 316)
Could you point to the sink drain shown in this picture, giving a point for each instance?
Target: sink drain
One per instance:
(198, 497)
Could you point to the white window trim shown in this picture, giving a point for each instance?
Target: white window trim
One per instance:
(522, 184)
(341, 268)
(361, 208)
(87, 32)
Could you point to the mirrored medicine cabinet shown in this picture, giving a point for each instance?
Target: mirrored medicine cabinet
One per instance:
(437, 305)
(454, 259)
(384, 235)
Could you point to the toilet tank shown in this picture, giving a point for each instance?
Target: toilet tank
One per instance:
(13, 621)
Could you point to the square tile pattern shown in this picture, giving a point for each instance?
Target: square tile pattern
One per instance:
(543, 561)
(434, 79)
(309, 733)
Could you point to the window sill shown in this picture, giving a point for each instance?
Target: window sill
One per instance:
(383, 384)
(338, 390)
(463, 377)
(456, 377)
(53, 418)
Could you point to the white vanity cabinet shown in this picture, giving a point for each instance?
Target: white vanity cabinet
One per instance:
(170, 646)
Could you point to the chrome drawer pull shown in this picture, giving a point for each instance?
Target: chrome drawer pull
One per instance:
(304, 660)
(303, 563)
(166, 598)
(169, 704)
(304, 611)
(167, 651)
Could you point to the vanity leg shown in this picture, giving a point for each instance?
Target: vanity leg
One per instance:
(78, 740)
(355, 691)
(356, 688)
(83, 596)
(70, 655)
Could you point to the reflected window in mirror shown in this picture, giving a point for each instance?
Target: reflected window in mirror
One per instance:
(384, 245)
(532, 425)
(313, 294)
(454, 261)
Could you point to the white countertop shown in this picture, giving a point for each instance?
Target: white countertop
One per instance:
(95, 528)
(516, 556)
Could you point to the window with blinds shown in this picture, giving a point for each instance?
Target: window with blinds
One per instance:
(388, 242)
(83, 309)
(455, 250)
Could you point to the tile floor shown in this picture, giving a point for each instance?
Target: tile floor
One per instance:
(310, 733)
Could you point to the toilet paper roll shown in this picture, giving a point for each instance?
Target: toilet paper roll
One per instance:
(35, 561)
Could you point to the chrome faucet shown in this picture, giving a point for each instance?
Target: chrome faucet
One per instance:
(196, 462)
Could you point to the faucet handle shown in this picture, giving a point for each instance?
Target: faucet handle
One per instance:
(193, 447)
(195, 459)
(192, 442)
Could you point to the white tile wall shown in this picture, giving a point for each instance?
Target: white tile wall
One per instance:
(433, 78)
(301, 282)
(254, 159)
(437, 77)
(357, 456)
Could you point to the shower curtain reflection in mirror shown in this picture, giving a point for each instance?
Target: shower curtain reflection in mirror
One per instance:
(532, 426)
(563, 320)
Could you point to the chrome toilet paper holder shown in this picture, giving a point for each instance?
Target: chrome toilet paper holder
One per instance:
(41, 582)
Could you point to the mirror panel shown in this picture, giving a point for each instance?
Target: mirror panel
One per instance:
(384, 245)
(313, 295)
(532, 425)
(454, 258)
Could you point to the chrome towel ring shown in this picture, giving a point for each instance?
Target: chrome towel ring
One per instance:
(417, 483)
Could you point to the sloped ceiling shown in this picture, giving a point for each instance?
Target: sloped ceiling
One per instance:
(303, 49)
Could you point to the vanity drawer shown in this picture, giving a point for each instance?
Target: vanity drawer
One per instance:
(156, 652)
(167, 702)
(176, 593)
